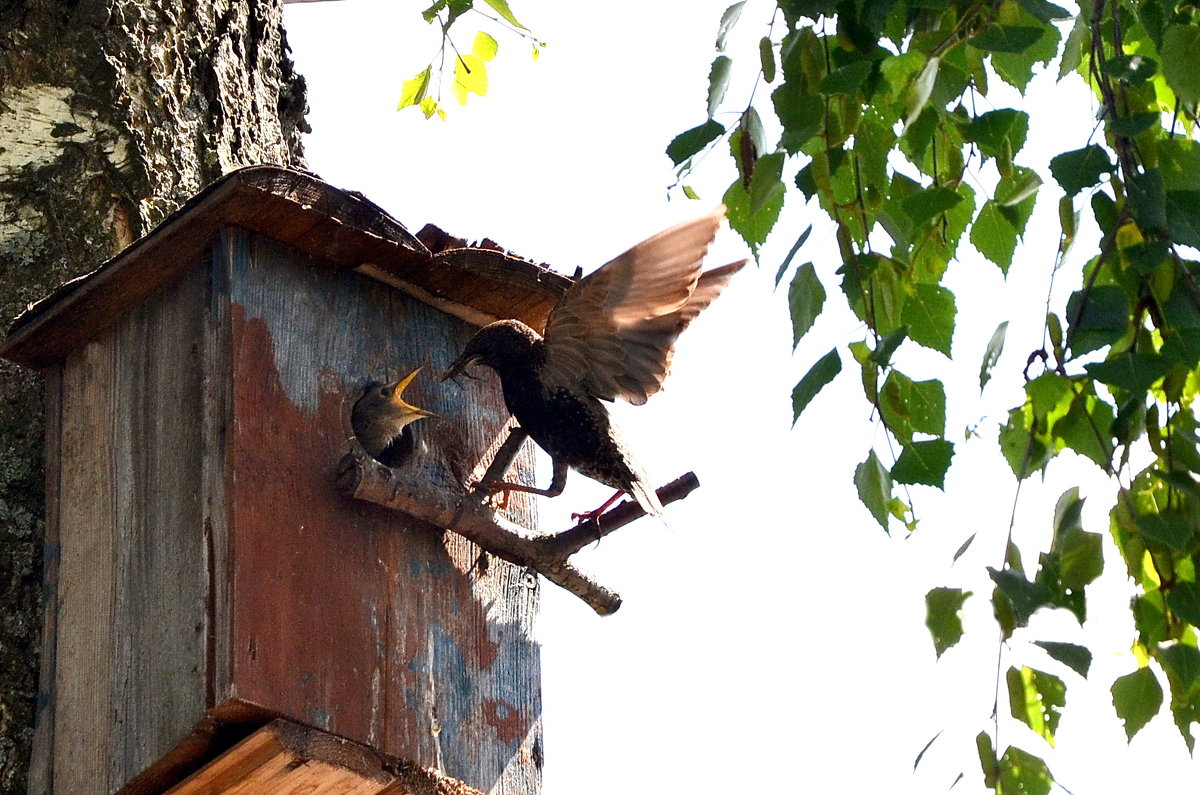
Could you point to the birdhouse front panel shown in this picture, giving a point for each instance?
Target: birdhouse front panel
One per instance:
(346, 615)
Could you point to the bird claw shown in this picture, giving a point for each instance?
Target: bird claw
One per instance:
(495, 494)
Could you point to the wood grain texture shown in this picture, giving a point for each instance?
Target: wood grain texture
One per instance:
(283, 758)
(41, 779)
(124, 518)
(84, 607)
(161, 582)
(388, 632)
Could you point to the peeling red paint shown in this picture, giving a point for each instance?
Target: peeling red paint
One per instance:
(505, 718)
(315, 572)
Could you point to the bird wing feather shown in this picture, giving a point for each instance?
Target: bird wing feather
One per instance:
(614, 330)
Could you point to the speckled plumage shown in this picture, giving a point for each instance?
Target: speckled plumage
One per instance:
(611, 335)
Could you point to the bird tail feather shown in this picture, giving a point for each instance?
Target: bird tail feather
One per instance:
(646, 498)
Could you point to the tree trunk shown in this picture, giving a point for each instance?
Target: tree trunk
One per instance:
(112, 112)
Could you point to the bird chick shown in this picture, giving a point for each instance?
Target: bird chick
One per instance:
(612, 334)
(380, 416)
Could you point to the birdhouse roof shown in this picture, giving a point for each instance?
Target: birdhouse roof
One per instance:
(343, 228)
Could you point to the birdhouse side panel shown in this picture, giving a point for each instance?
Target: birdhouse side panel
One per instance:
(130, 621)
(345, 615)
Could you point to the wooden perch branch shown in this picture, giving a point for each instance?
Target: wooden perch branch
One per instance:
(470, 515)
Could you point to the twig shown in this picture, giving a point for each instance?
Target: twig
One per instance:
(472, 517)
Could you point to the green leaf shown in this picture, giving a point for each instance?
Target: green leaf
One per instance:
(692, 141)
(919, 92)
(728, 20)
(766, 184)
(1006, 38)
(1179, 163)
(718, 81)
(813, 382)
(788, 259)
(1183, 216)
(766, 58)
(923, 207)
(1080, 168)
(1086, 428)
(929, 314)
(1131, 69)
(485, 46)
(1024, 596)
(882, 355)
(1022, 772)
(987, 760)
(942, 616)
(994, 236)
(1024, 184)
(1133, 372)
(806, 296)
(998, 132)
(924, 462)
(1077, 658)
(501, 8)
(1079, 555)
(913, 406)
(1045, 11)
(1133, 125)
(874, 486)
(1182, 665)
(414, 90)
(1181, 53)
(1184, 601)
(1147, 200)
(1137, 698)
(470, 77)
(847, 79)
(991, 354)
(690, 192)
(1171, 529)
(1036, 699)
(800, 113)
(755, 226)
(1102, 319)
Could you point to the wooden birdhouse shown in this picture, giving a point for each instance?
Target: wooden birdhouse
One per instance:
(202, 569)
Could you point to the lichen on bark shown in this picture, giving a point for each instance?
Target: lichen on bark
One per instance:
(112, 113)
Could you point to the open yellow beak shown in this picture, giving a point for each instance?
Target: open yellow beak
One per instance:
(397, 396)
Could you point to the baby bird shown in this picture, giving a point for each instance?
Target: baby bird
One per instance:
(380, 416)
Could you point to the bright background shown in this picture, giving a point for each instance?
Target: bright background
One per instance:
(772, 635)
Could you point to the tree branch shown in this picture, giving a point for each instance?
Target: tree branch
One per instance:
(470, 515)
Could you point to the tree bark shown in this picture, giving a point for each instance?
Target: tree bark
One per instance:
(112, 112)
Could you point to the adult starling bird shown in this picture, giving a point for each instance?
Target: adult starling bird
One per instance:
(611, 335)
(380, 416)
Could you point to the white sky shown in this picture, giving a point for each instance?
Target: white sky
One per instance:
(772, 636)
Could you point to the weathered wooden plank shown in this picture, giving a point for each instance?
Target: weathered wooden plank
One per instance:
(84, 608)
(216, 471)
(161, 583)
(41, 779)
(431, 656)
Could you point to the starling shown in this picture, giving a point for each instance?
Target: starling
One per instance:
(380, 416)
(611, 335)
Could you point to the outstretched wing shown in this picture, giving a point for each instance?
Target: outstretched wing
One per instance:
(613, 332)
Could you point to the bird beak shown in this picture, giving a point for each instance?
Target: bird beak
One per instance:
(397, 398)
(458, 365)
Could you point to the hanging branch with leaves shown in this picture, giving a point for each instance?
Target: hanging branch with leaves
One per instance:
(876, 107)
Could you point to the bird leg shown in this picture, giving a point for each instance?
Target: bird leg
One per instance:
(558, 482)
(595, 515)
